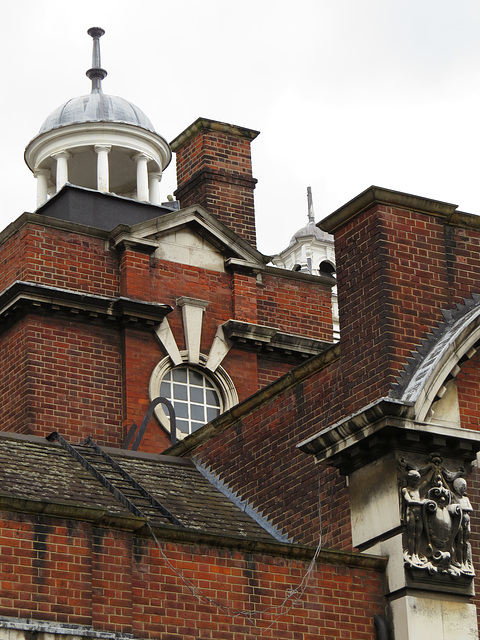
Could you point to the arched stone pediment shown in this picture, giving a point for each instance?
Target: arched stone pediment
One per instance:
(439, 359)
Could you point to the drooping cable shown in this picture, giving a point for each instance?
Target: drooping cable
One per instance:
(292, 597)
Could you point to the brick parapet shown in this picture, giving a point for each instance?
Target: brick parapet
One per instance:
(302, 307)
(57, 257)
(378, 196)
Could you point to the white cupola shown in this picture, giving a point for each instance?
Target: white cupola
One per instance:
(312, 251)
(99, 142)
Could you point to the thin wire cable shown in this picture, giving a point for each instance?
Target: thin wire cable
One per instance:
(293, 595)
(302, 587)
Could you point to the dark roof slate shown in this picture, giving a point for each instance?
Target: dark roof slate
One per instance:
(35, 469)
(192, 499)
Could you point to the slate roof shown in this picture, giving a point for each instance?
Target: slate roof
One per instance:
(33, 469)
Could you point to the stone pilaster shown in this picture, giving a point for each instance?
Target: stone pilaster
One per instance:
(409, 501)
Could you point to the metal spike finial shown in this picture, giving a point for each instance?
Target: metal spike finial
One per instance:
(311, 213)
(96, 73)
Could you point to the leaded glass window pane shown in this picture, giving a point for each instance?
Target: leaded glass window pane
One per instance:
(194, 397)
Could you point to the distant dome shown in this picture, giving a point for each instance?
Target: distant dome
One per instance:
(96, 107)
(311, 229)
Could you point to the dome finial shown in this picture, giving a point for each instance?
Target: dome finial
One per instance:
(311, 213)
(96, 73)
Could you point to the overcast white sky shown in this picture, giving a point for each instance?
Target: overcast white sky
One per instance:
(345, 93)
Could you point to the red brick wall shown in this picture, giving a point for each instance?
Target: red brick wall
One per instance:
(462, 257)
(12, 259)
(15, 380)
(468, 381)
(397, 270)
(170, 281)
(69, 379)
(72, 572)
(392, 284)
(245, 293)
(141, 355)
(243, 369)
(135, 281)
(282, 302)
(255, 582)
(294, 306)
(269, 371)
(112, 579)
(257, 456)
(291, 306)
(46, 569)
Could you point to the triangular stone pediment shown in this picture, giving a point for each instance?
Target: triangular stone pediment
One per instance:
(194, 236)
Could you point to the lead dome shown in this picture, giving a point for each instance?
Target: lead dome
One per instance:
(311, 230)
(96, 107)
(98, 141)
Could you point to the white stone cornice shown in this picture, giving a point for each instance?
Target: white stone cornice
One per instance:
(207, 226)
(116, 134)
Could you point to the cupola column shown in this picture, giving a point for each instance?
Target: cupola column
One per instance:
(154, 179)
(103, 182)
(142, 176)
(62, 168)
(42, 185)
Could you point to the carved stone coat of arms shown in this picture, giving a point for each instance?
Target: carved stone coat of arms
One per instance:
(436, 514)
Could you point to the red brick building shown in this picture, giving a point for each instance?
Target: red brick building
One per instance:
(110, 300)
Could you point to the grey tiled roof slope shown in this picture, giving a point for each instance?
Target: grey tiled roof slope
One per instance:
(36, 470)
(451, 318)
(42, 471)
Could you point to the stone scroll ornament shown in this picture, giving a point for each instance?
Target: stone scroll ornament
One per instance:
(436, 515)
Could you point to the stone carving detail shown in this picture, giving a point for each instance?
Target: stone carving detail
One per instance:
(436, 515)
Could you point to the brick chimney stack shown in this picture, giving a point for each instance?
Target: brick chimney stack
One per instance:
(214, 170)
(399, 261)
